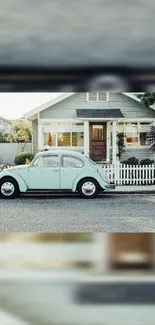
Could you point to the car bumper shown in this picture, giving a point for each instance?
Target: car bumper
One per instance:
(110, 186)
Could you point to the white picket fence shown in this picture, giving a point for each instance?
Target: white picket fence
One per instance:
(130, 175)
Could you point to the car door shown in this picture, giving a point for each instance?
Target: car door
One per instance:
(70, 167)
(44, 173)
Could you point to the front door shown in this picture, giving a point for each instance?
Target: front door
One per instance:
(44, 173)
(130, 251)
(98, 141)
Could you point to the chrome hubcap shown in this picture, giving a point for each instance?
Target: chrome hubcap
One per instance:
(7, 188)
(88, 188)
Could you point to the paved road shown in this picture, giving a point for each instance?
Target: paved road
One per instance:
(94, 31)
(52, 302)
(131, 213)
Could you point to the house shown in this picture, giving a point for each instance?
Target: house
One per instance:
(90, 123)
(5, 125)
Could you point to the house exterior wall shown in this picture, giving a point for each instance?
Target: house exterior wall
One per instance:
(4, 126)
(138, 153)
(65, 111)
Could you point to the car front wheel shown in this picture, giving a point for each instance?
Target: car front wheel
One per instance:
(9, 188)
(88, 188)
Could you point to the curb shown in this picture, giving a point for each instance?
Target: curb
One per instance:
(131, 192)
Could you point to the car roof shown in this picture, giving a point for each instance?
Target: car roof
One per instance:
(58, 151)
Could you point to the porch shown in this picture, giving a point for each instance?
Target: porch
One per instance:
(95, 137)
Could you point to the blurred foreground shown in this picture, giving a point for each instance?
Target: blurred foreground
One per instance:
(78, 278)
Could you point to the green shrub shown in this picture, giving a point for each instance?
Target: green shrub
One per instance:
(131, 161)
(22, 157)
(146, 162)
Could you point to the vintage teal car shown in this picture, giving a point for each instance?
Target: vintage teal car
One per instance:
(55, 171)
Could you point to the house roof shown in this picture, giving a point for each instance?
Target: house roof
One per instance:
(33, 113)
(99, 113)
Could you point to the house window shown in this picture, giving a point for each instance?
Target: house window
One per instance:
(77, 139)
(64, 139)
(143, 139)
(97, 132)
(131, 139)
(97, 97)
(50, 139)
(64, 135)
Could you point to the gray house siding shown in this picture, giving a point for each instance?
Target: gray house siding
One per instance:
(138, 153)
(67, 108)
(35, 136)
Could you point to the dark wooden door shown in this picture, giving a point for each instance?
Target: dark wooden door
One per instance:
(125, 245)
(98, 141)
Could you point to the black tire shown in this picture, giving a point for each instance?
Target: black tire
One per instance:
(15, 188)
(87, 194)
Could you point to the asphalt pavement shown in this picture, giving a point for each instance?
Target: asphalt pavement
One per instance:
(67, 213)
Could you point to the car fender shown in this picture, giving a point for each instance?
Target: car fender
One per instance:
(19, 179)
(91, 174)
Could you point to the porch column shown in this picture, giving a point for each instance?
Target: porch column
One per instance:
(100, 252)
(108, 142)
(114, 145)
(40, 134)
(86, 138)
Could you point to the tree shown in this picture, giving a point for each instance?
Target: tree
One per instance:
(21, 132)
(148, 99)
(120, 144)
(3, 137)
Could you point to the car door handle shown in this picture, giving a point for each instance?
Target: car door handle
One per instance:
(56, 170)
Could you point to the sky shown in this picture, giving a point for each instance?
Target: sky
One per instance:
(15, 105)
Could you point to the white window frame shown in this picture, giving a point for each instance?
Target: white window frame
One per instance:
(71, 126)
(97, 100)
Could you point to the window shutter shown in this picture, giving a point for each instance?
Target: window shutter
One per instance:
(102, 96)
(92, 97)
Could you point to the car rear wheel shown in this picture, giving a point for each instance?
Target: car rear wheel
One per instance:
(9, 188)
(88, 188)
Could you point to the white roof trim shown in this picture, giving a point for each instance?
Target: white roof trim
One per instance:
(133, 96)
(47, 104)
(61, 98)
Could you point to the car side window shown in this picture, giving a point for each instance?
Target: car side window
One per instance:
(47, 161)
(72, 162)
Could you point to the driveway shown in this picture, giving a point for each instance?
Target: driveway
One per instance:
(65, 213)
